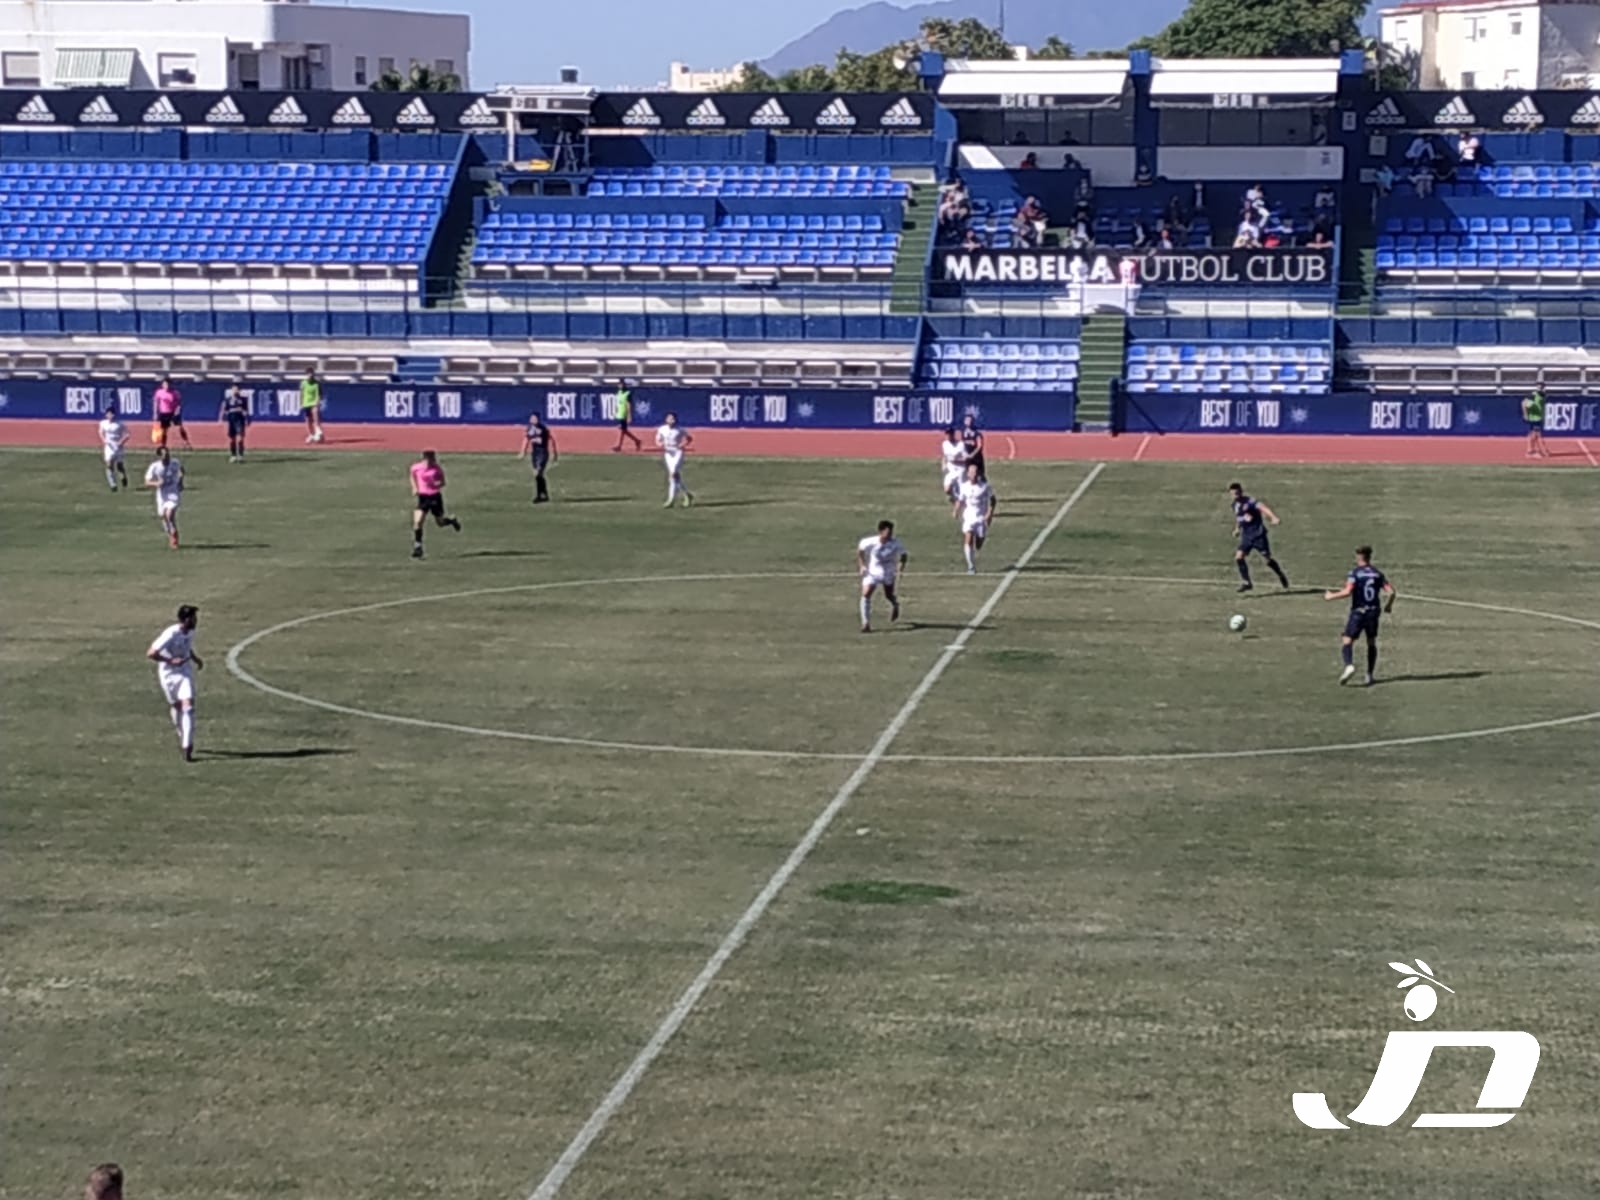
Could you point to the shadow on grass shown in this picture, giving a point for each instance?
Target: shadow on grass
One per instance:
(1438, 677)
(227, 546)
(297, 752)
(503, 554)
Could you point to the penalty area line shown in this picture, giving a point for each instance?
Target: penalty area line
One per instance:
(608, 1107)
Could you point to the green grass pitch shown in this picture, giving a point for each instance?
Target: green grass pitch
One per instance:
(1040, 954)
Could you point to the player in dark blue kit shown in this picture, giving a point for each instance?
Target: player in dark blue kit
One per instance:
(1371, 595)
(1247, 515)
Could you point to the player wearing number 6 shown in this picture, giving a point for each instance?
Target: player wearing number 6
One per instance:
(1371, 595)
(176, 662)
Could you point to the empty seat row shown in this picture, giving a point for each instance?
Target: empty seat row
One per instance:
(715, 239)
(682, 256)
(1508, 223)
(1238, 377)
(994, 350)
(749, 171)
(201, 171)
(1503, 260)
(1490, 241)
(844, 188)
(1229, 352)
(1041, 376)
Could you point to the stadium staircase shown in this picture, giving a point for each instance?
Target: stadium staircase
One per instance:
(1358, 271)
(1102, 346)
(906, 285)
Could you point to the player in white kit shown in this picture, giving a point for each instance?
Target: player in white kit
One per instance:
(674, 439)
(952, 461)
(166, 476)
(176, 662)
(113, 437)
(879, 558)
(975, 505)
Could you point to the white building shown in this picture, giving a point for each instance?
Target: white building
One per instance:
(683, 78)
(1487, 44)
(267, 45)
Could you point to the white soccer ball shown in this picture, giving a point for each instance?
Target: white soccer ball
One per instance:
(1237, 623)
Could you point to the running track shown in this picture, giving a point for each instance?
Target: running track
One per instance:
(828, 443)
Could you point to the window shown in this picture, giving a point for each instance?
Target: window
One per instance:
(1469, 80)
(176, 70)
(1512, 78)
(20, 68)
(1516, 24)
(386, 66)
(361, 70)
(249, 64)
(296, 73)
(444, 66)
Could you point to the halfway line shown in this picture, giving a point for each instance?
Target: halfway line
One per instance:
(557, 1176)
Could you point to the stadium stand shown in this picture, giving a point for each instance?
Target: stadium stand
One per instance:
(1294, 368)
(834, 181)
(220, 215)
(1044, 366)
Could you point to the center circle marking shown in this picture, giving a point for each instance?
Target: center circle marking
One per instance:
(238, 671)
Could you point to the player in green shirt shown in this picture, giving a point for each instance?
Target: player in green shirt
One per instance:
(1533, 414)
(624, 412)
(311, 405)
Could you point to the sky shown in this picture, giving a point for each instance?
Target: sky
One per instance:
(622, 42)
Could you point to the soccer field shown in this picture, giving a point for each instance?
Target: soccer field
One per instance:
(463, 831)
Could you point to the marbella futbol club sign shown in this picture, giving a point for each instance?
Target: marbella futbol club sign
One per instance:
(1298, 267)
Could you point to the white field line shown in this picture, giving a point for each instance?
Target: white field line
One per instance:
(1143, 446)
(1587, 453)
(558, 1174)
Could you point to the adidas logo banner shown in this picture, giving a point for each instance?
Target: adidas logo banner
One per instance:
(479, 113)
(1588, 112)
(287, 113)
(705, 113)
(901, 115)
(836, 115)
(36, 112)
(99, 112)
(641, 113)
(224, 112)
(351, 113)
(414, 113)
(770, 113)
(161, 112)
(1524, 112)
(1387, 112)
(1455, 112)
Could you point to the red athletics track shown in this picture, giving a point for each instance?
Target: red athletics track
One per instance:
(872, 443)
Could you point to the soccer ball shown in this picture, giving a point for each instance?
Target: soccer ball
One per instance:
(1237, 623)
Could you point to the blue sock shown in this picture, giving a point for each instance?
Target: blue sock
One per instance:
(1345, 651)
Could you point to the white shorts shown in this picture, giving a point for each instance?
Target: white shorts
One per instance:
(872, 580)
(953, 477)
(166, 502)
(113, 455)
(176, 686)
(672, 459)
(977, 526)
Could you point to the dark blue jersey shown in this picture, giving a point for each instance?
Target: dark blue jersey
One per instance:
(1247, 514)
(1366, 592)
(538, 438)
(234, 404)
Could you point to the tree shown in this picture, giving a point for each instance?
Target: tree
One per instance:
(1390, 68)
(891, 69)
(1262, 29)
(1055, 48)
(419, 79)
(966, 38)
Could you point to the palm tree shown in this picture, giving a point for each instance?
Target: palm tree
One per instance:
(420, 78)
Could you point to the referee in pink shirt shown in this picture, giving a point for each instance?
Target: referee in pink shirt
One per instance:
(427, 485)
(169, 412)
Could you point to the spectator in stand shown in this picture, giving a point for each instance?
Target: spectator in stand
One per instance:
(1256, 208)
(104, 1183)
(1030, 162)
(1177, 218)
(1022, 231)
(1164, 242)
(1199, 197)
(1421, 150)
(973, 240)
(1140, 236)
(1422, 181)
(1383, 179)
(1082, 235)
(1033, 213)
(1248, 235)
(1319, 239)
(1325, 200)
(1467, 147)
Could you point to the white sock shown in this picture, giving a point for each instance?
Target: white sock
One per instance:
(672, 489)
(971, 556)
(111, 478)
(173, 712)
(186, 728)
(866, 610)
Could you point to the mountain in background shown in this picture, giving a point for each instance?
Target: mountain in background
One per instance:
(1084, 25)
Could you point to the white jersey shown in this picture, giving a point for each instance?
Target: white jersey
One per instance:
(954, 456)
(175, 642)
(671, 438)
(168, 478)
(113, 436)
(883, 558)
(975, 498)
